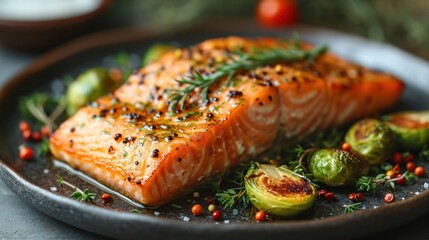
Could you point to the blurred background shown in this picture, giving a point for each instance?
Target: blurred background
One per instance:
(403, 23)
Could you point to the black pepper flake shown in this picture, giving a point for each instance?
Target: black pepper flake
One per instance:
(214, 99)
(104, 111)
(261, 103)
(72, 129)
(117, 136)
(132, 116)
(138, 181)
(294, 79)
(268, 83)
(270, 98)
(129, 179)
(129, 139)
(168, 138)
(125, 109)
(136, 163)
(111, 150)
(155, 153)
(112, 110)
(71, 142)
(210, 115)
(175, 135)
(234, 94)
(179, 159)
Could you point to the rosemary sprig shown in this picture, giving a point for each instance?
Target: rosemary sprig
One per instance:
(351, 207)
(241, 61)
(78, 194)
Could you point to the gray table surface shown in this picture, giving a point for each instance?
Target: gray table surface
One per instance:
(20, 221)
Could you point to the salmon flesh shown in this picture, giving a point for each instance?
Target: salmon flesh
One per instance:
(131, 142)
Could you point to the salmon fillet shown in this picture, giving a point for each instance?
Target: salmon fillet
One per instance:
(132, 143)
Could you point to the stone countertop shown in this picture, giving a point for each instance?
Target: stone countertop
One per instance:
(20, 221)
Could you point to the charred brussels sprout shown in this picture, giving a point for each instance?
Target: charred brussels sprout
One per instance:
(411, 129)
(88, 86)
(278, 191)
(155, 52)
(336, 167)
(372, 139)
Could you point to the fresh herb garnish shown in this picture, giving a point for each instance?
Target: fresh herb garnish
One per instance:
(44, 108)
(236, 194)
(424, 153)
(237, 61)
(135, 211)
(78, 194)
(351, 207)
(368, 184)
(43, 149)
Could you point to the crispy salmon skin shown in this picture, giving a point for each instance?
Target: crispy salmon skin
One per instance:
(132, 142)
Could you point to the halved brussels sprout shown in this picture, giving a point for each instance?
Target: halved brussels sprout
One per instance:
(336, 167)
(88, 86)
(372, 139)
(411, 129)
(155, 52)
(278, 191)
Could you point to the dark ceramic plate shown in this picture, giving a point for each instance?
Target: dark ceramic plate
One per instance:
(35, 181)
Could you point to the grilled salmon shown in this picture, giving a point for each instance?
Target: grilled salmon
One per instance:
(131, 141)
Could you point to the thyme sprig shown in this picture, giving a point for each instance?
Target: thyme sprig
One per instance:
(44, 108)
(236, 194)
(368, 184)
(78, 194)
(238, 61)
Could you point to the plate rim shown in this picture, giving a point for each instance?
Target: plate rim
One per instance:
(120, 36)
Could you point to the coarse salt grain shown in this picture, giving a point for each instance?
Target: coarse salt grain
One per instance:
(426, 185)
(417, 193)
(156, 213)
(54, 189)
(186, 219)
(226, 221)
(46, 171)
(234, 212)
(196, 194)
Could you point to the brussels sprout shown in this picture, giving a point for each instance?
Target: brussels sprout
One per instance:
(372, 139)
(336, 167)
(278, 191)
(155, 52)
(411, 129)
(88, 86)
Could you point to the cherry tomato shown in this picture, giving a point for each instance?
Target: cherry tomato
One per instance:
(23, 126)
(397, 158)
(27, 135)
(409, 158)
(25, 153)
(197, 210)
(217, 215)
(260, 216)
(277, 13)
(106, 197)
(330, 196)
(419, 171)
(36, 136)
(346, 147)
(411, 166)
(401, 179)
(389, 197)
